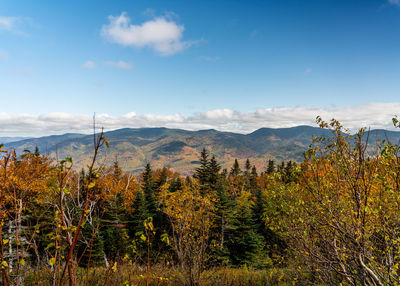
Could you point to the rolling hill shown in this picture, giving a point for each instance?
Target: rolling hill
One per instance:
(180, 149)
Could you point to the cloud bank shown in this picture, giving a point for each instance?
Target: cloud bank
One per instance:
(374, 115)
(160, 34)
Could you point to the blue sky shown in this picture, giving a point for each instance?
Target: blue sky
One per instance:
(157, 62)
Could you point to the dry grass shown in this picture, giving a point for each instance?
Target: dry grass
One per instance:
(160, 275)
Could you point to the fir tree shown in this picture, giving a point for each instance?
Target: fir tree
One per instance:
(175, 185)
(235, 170)
(148, 188)
(213, 173)
(223, 217)
(117, 171)
(114, 228)
(245, 245)
(247, 168)
(37, 152)
(140, 213)
(271, 167)
(93, 246)
(202, 172)
(253, 186)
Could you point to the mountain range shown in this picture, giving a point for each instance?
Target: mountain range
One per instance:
(180, 149)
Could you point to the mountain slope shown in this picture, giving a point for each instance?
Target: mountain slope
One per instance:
(180, 149)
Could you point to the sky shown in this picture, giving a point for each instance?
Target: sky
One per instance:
(228, 65)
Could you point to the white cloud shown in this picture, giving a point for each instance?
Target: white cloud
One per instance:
(119, 64)
(374, 115)
(394, 2)
(89, 65)
(161, 34)
(308, 70)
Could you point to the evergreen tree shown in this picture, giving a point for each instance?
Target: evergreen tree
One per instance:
(235, 170)
(40, 218)
(175, 185)
(253, 186)
(114, 228)
(37, 152)
(117, 171)
(281, 168)
(247, 168)
(288, 173)
(140, 214)
(271, 167)
(213, 173)
(202, 172)
(148, 187)
(223, 217)
(245, 245)
(208, 172)
(93, 246)
(153, 207)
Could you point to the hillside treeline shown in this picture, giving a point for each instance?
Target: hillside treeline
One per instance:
(331, 220)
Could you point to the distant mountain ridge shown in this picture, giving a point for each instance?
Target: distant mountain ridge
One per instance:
(4, 140)
(179, 149)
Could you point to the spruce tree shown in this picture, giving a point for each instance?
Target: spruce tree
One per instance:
(93, 246)
(271, 167)
(245, 245)
(117, 171)
(235, 170)
(140, 214)
(213, 173)
(253, 186)
(223, 219)
(37, 152)
(247, 168)
(114, 228)
(202, 172)
(175, 185)
(148, 187)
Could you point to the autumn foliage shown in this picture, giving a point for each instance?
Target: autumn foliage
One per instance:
(333, 219)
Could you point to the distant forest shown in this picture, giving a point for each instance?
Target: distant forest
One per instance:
(331, 220)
